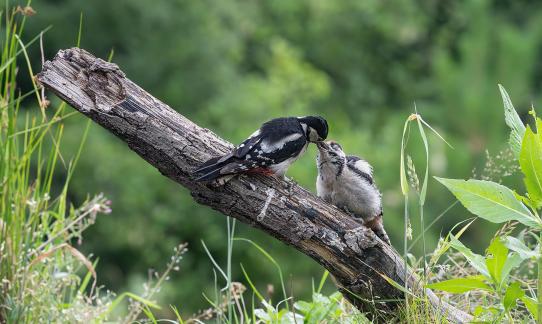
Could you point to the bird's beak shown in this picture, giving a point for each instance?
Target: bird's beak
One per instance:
(322, 145)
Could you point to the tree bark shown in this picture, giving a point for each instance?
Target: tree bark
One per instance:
(357, 259)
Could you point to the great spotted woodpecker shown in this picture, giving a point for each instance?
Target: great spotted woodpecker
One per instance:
(347, 182)
(270, 150)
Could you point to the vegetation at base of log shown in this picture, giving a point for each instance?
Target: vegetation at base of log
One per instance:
(45, 276)
(230, 69)
(499, 275)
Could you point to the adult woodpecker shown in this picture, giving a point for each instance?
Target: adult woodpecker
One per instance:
(270, 150)
(347, 182)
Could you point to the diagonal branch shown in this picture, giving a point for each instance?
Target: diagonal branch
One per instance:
(356, 258)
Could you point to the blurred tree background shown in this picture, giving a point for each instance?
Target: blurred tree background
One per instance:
(230, 65)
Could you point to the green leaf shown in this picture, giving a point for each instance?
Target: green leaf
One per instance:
(530, 161)
(531, 305)
(513, 121)
(496, 255)
(402, 170)
(513, 261)
(261, 314)
(322, 281)
(423, 190)
(491, 201)
(303, 306)
(125, 295)
(513, 293)
(460, 285)
(397, 286)
(525, 200)
(518, 246)
(476, 260)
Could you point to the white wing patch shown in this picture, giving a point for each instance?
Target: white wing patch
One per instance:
(256, 133)
(281, 168)
(364, 167)
(272, 147)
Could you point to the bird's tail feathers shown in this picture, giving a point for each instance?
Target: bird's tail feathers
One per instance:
(378, 229)
(211, 175)
(211, 168)
(220, 166)
(209, 164)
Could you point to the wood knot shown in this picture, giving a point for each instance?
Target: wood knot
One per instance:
(102, 81)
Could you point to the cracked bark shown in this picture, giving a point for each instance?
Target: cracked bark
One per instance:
(176, 146)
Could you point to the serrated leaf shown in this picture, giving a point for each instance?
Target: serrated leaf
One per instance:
(518, 246)
(476, 260)
(512, 294)
(530, 161)
(496, 255)
(491, 201)
(511, 117)
(460, 285)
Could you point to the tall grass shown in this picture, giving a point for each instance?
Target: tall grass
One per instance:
(43, 275)
(44, 278)
(39, 266)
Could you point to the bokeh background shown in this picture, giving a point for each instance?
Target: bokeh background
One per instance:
(230, 65)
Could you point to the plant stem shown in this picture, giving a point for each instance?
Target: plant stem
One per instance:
(231, 230)
(539, 283)
(423, 241)
(405, 242)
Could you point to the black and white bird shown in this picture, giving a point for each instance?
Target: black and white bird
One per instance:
(270, 150)
(347, 182)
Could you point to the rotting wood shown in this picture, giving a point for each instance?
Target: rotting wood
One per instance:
(357, 259)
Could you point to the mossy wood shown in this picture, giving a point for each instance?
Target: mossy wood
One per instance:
(176, 146)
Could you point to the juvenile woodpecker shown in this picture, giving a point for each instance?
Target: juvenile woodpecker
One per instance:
(347, 182)
(270, 150)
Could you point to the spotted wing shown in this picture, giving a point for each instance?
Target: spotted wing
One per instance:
(267, 154)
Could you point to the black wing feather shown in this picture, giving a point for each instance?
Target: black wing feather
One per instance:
(351, 161)
(235, 161)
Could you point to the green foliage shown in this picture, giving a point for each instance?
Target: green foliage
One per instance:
(518, 246)
(234, 64)
(460, 285)
(511, 117)
(476, 261)
(531, 304)
(495, 269)
(498, 204)
(496, 257)
(39, 266)
(491, 201)
(530, 161)
(511, 296)
(360, 64)
(320, 309)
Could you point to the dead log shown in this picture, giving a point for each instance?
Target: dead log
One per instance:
(176, 146)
